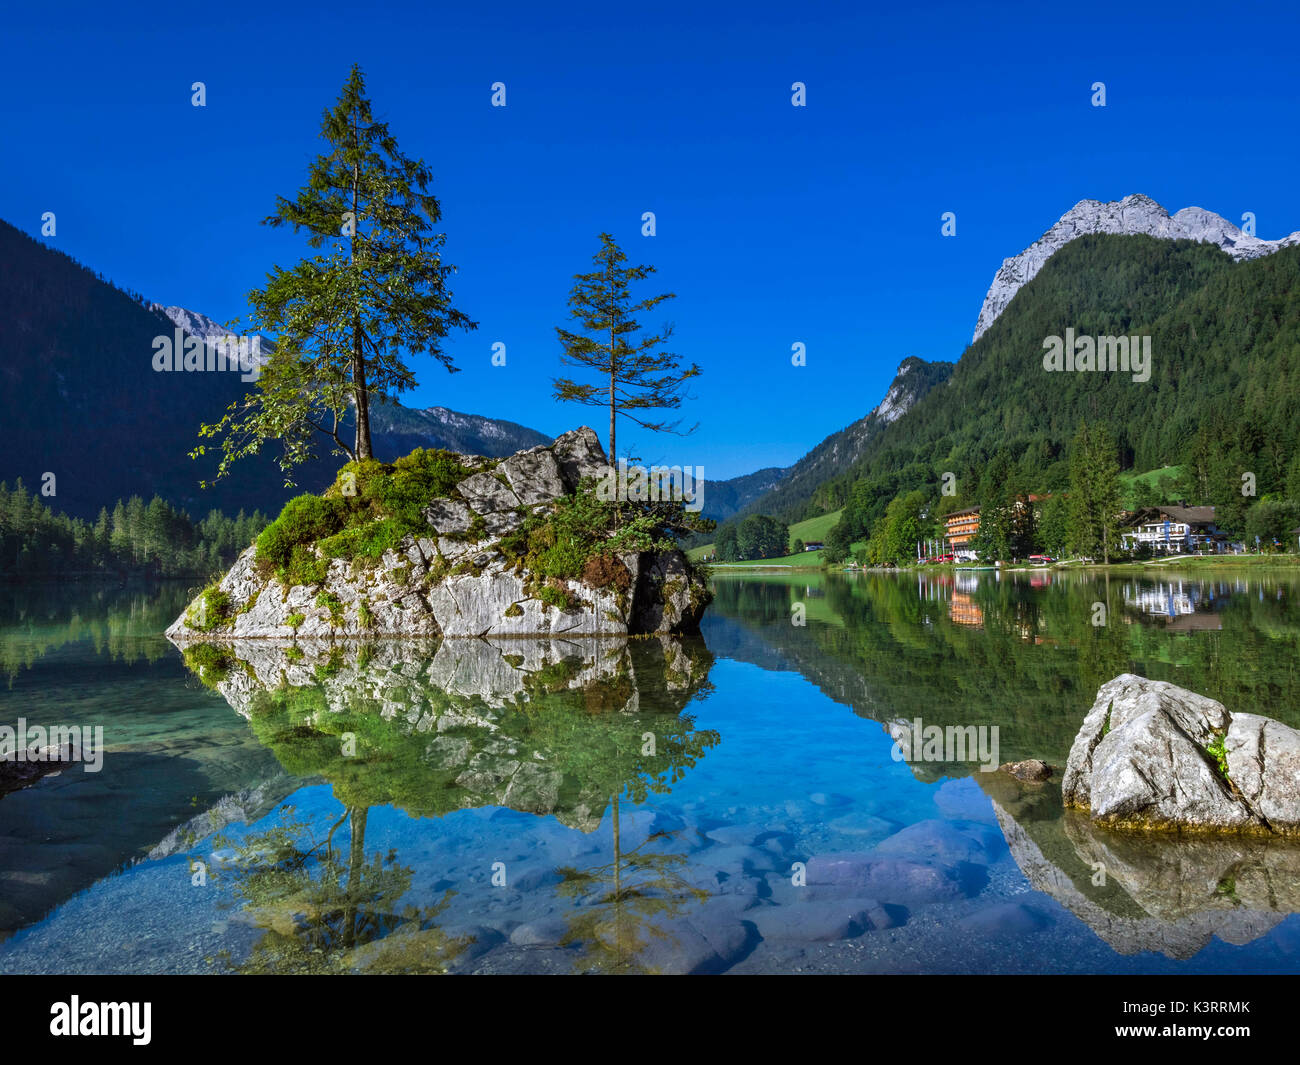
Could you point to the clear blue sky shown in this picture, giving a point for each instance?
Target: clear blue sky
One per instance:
(776, 224)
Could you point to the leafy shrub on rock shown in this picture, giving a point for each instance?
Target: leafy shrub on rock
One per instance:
(304, 520)
(568, 541)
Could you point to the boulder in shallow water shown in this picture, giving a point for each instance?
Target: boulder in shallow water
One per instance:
(1031, 770)
(1152, 755)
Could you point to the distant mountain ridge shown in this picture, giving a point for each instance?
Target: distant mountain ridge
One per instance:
(838, 452)
(193, 323)
(80, 399)
(1223, 392)
(397, 430)
(1133, 215)
(722, 499)
(808, 487)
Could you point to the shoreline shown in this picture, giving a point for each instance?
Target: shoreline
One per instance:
(1177, 563)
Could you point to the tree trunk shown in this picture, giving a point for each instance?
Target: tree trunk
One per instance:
(613, 370)
(356, 860)
(360, 397)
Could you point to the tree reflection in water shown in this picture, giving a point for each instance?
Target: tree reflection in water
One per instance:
(559, 728)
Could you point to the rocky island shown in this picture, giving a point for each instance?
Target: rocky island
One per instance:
(445, 544)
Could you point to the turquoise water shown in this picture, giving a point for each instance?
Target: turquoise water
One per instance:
(731, 803)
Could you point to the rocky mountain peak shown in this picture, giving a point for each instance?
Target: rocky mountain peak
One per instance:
(192, 322)
(1134, 214)
(901, 395)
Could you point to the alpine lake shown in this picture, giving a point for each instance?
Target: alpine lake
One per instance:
(735, 801)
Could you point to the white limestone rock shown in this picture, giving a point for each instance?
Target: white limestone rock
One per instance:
(457, 583)
(447, 516)
(1141, 760)
(579, 454)
(486, 494)
(534, 476)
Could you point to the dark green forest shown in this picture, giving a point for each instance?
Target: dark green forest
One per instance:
(79, 396)
(134, 539)
(756, 536)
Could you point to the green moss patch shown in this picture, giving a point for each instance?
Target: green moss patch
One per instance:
(368, 509)
(211, 611)
(209, 662)
(581, 529)
(553, 593)
(331, 666)
(333, 604)
(1218, 751)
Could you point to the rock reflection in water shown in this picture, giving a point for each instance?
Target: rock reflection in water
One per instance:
(552, 727)
(1146, 891)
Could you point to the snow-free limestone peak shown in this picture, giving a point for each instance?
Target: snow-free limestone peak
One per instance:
(1135, 214)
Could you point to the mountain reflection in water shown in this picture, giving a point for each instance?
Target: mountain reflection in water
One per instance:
(724, 803)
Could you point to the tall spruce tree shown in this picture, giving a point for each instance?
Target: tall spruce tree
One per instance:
(1022, 526)
(637, 377)
(343, 320)
(1095, 500)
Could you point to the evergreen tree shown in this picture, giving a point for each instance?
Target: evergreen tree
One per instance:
(1226, 493)
(1053, 524)
(1145, 494)
(635, 376)
(135, 538)
(103, 532)
(1021, 526)
(119, 539)
(1293, 479)
(1094, 493)
(343, 319)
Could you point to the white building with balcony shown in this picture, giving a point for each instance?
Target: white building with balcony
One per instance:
(1170, 530)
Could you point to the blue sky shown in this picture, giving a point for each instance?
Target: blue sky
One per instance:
(775, 224)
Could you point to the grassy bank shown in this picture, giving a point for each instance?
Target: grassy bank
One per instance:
(811, 529)
(1197, 563)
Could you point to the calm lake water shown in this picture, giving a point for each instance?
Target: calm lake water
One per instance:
(728, 803)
